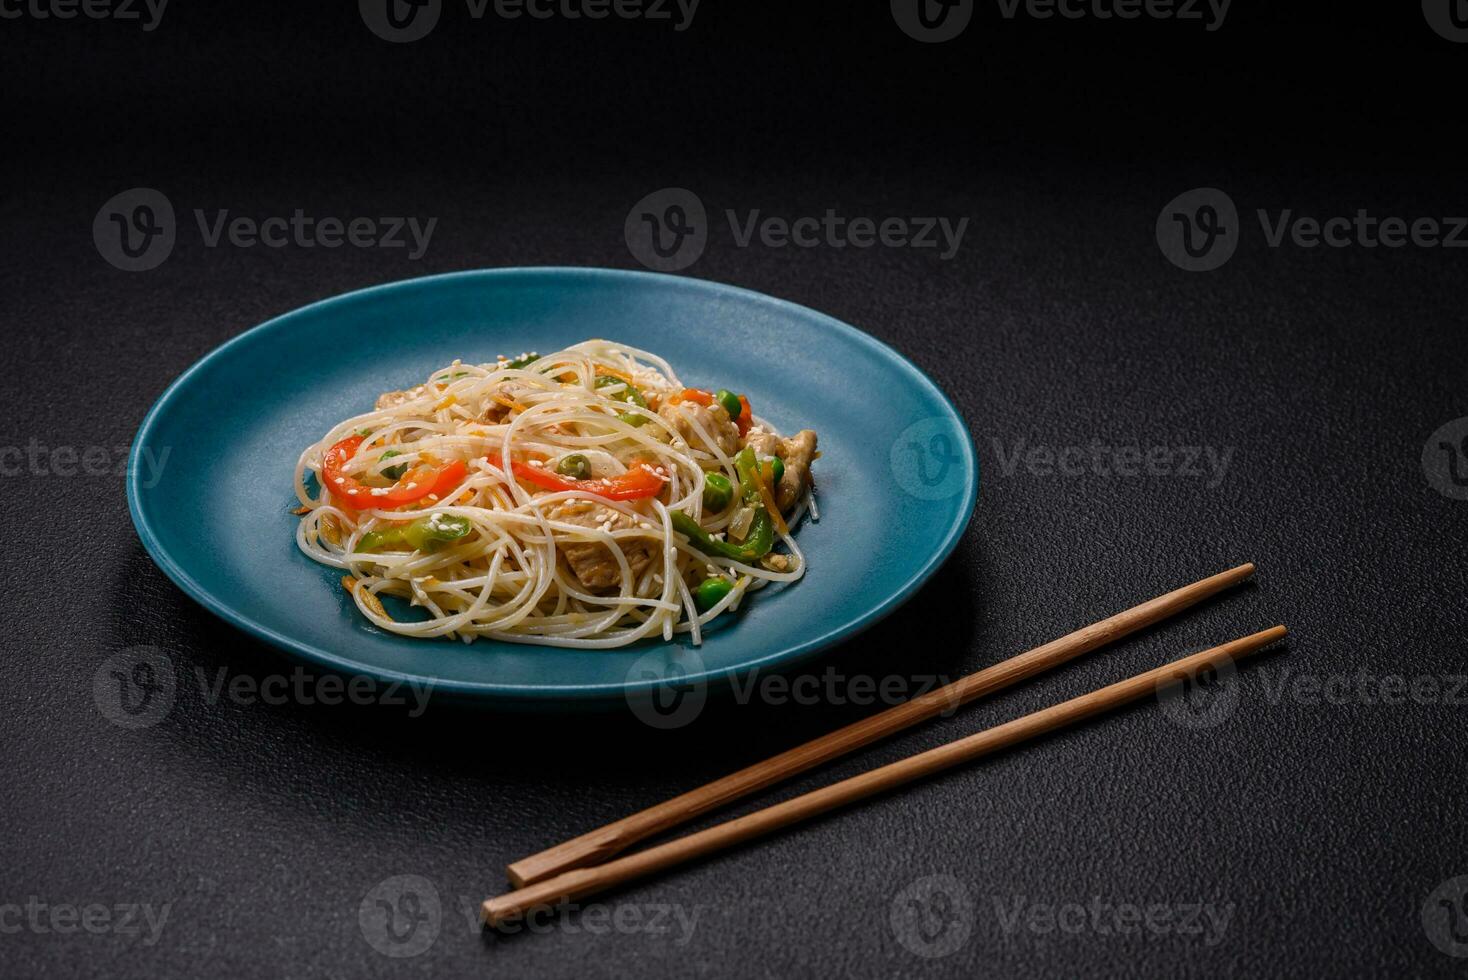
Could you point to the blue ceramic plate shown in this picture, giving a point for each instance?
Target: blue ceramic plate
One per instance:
(897, 476)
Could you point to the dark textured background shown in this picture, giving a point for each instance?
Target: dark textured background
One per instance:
(1323, 827)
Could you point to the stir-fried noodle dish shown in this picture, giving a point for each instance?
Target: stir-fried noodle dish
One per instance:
(585, 498)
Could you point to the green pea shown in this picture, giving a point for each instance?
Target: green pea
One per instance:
(717, 492)
(710, 592)
(730, 401)
(393, 472)
(436, 530)
(576, 466)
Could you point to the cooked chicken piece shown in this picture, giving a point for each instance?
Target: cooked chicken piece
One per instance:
(711, 418)
(796, 453)
(594, 563)
(392, 399)
(765, 444)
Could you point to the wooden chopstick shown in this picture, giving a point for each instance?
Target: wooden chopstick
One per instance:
(605, 842)
(577, 884)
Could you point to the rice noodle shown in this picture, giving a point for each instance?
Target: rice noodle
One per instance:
(508, 578)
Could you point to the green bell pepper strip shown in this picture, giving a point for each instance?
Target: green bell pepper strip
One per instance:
(746, 465)
(730, 403)
(427, 534)
(761, 536)
(756, 545)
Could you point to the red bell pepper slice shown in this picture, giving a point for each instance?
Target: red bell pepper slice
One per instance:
(416, 484)
(638, 482)
(746, 417)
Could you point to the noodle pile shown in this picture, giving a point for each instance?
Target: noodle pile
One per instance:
(500, 555)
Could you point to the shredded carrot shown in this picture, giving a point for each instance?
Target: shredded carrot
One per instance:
(698, 395)
(450, 400)
(509, 403)
(613, 372)
(769, 502)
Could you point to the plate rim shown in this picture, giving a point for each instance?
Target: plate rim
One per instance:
(710, 677)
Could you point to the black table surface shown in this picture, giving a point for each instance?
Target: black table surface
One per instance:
(1303, 817)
